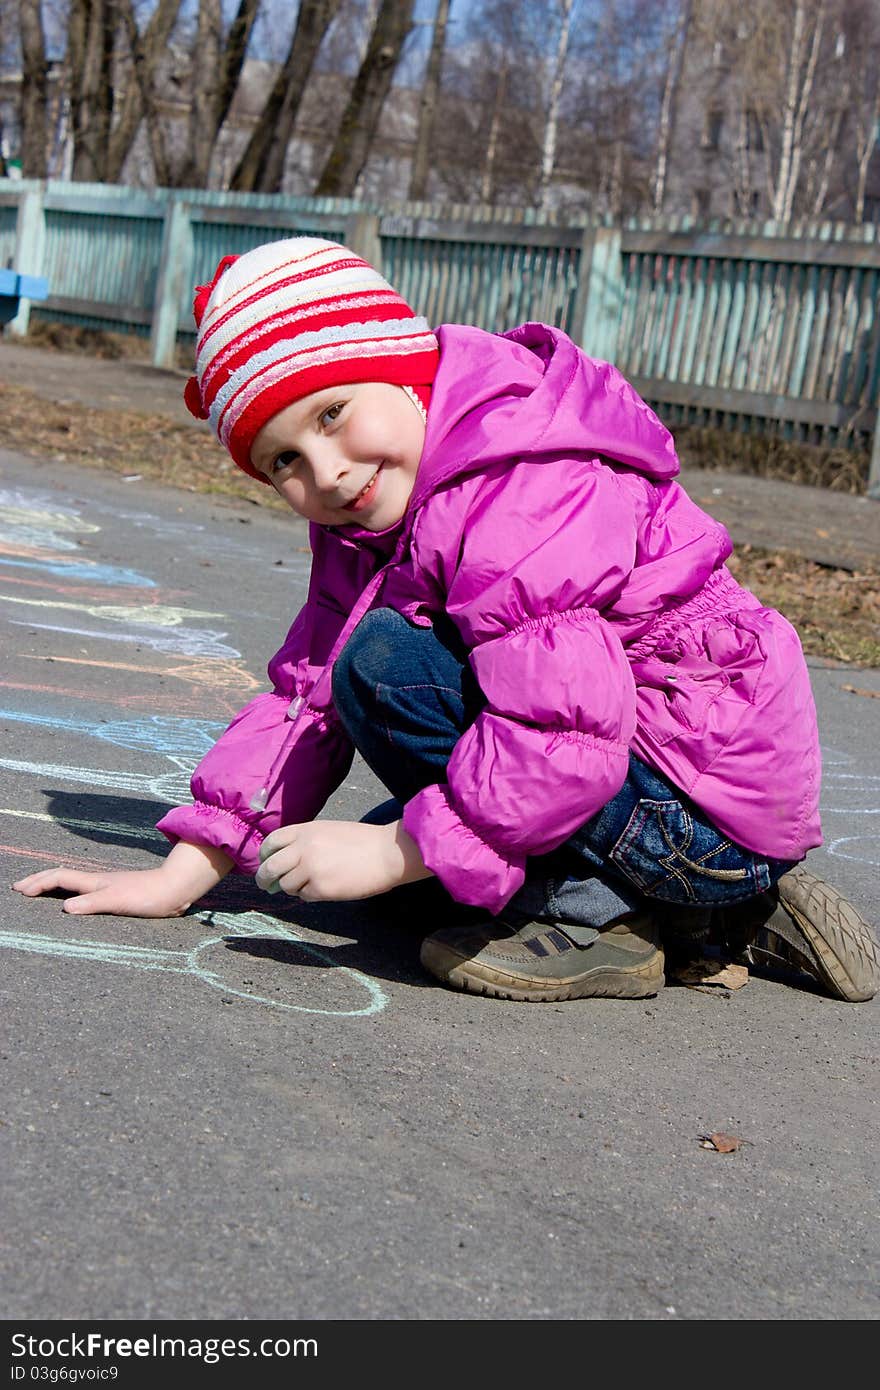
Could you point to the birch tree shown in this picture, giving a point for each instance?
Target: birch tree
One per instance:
(556, 79)
(860, 40)
(428, 106)
(677, 46)
(783, 90)
(803, 55)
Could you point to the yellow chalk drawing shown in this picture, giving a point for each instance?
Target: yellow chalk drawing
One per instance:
(155, 614)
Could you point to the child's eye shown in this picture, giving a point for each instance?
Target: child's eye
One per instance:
(331, 413)
(285, 460)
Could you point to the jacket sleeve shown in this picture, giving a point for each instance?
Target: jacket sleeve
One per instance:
(299, 765)
(550, 747)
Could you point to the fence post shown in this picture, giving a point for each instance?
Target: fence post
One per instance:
(30, 246)
(174, 267)
(362, 237)
(599, 300)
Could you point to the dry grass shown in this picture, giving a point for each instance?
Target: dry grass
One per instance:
(126, 441)
(767, 456)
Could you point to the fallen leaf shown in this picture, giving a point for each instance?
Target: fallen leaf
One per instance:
(704, 971)
(721, 1143)
(859, 690)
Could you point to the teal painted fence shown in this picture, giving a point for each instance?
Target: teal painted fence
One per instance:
(743, 325)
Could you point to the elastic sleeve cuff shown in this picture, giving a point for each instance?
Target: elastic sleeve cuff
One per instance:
(202, 824)
(469, 869)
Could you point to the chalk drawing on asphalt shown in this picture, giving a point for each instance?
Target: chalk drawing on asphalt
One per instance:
(29, 520)
(108, 575)
(96, 827)
(174, 738)
(194, 961)
(37, 536)
(187, 641)
(851, 790)
(153, 615)
(220, 675)
(172, 787)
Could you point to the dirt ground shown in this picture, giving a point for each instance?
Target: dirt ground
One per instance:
(812, 552)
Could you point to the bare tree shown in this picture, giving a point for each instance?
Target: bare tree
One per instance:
(618, 73)
(859, 40)
(137, 96)
(428, 107)
(91, 40)
(217, 62)
(557, 75)
(803, 55)
(677, 44)
(775, 82)
(261, 166)
(360, 119)
(34, 134)
(487, 182)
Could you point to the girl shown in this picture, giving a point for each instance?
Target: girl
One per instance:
(592, 734)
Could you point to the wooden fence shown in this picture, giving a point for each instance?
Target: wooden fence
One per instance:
(744, 325)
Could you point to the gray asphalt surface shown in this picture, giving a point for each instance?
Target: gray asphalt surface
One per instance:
(265, 1110)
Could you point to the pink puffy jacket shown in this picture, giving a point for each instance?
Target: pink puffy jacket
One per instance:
(593, 597)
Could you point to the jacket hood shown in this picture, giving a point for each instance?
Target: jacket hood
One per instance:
(531, 393)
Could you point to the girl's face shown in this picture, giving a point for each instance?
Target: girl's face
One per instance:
(344, 456)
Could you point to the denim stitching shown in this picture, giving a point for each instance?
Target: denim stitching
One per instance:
(677, 865)
(724, 875)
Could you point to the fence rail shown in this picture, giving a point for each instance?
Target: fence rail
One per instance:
(751, 325)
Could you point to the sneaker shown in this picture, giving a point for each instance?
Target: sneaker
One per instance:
(807, 924)
(542, 963)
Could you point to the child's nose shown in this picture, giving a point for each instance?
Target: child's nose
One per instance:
(328, 467)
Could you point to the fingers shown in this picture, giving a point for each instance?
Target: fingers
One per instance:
(281, 871)
(48, 880)
(105, 899)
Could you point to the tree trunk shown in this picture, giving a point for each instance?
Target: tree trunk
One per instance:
(371, 86)
(137, 100)
(261, 167)
(864, 153)
(548, 148)
(34, 130)
(418, 184)
(798, 88)
(216, 69)
(667, 105)
(91, 41)
(487, 182)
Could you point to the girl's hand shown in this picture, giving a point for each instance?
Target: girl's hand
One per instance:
(332, 861)
(187, 873)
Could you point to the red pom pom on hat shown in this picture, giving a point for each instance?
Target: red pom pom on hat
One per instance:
(193, 399)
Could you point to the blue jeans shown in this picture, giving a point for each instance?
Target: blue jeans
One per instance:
(406, 694)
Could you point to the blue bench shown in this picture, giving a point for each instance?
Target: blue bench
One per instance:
(14, 288)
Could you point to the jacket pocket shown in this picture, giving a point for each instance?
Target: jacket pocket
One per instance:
(675, 696)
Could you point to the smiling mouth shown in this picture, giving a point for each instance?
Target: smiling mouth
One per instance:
(365, 496)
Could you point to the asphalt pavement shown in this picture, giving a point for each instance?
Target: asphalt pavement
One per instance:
(266, 1110)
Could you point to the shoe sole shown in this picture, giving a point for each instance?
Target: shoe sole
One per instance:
(602, 982)
(846, 951)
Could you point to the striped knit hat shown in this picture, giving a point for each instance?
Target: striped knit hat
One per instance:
(294, 317)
